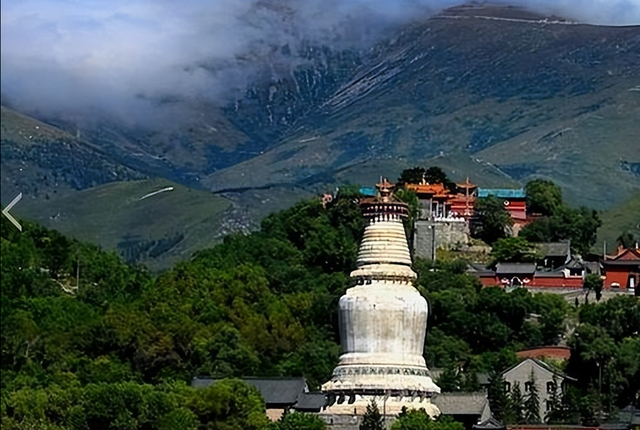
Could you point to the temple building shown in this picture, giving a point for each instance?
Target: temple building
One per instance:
(451, 201)
(383, 322)
(514, 201)
(438, 201)
(623, 270)
(447, 213)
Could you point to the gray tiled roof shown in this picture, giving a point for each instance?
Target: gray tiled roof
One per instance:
(593, 266)
(490, 424)
(461, 403)
(516, 268)
(274, 391)
(483, 378)
(311, 402)
(554, 249)
(478, 268)
(435, 372)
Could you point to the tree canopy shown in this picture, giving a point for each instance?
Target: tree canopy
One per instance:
(493, 220)
(512, 249)
(543, 197)
(431, 175)
(558, 221)
(90, 342)
(419, 420)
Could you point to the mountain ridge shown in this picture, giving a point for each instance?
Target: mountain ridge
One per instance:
(499, 101)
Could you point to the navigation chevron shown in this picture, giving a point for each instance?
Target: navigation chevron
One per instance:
(6, 210)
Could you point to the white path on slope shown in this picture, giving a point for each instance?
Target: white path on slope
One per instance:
(156, 192)
(529, 21)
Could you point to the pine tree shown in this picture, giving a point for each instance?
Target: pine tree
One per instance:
(532, 402)
(372, 419)
(517, 402)
(498, 399)
(450, 379)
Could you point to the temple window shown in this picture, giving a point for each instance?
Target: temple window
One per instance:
(551, 387)
(527, 386)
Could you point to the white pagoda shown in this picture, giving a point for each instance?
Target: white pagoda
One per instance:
(383, 322)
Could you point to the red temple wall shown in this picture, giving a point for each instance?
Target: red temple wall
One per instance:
(557, 282)
(540, 282)
(619, 275)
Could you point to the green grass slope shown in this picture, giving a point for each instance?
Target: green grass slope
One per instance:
(157, 231)
(622, 218)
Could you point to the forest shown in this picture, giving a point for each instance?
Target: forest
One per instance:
(89, 342)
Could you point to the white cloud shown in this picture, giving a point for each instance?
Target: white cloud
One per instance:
(71, 55)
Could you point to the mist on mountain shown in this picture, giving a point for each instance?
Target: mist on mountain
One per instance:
(135, 61)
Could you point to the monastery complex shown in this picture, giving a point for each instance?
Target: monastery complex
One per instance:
(446, 217)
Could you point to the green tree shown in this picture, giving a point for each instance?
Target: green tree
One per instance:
(580, 226)
(498, 398)
(415, 175)
(493, 220)
(470, 381)
(555, 411)
(435, 175)
(593, 282)
(512, 249)
(418, 419)
(411, 199)
(627, 240)
(517, 404)
(432, 175)
(299, 421)
(229, 404)
(543, 197)
(372, 419)
(552, 325)
(532, 402)
(450, 379)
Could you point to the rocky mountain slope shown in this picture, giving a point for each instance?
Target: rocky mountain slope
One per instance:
(496, 94)
(518, 98)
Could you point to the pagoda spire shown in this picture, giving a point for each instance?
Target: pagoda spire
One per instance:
(383, 320)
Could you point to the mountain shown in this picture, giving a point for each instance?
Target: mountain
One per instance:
(517, 98)
(41, 160)
(496, 94)
(72, 186)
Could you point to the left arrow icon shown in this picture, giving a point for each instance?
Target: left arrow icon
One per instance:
(6, 210)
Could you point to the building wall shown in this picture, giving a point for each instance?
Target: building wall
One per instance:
(556, 282)
(423, 239)
(449, 234)
(619, 275)
(522, 373)
(538, 282)
(553, 352)
(274, 414)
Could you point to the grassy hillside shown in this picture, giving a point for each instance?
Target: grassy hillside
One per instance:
(25, 130)
(43, 161)
(624, 217)
(158, 230)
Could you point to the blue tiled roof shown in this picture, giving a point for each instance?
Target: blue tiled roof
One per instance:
(503, 193)
(368, 191)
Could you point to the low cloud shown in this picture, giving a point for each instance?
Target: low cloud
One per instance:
(124, 57)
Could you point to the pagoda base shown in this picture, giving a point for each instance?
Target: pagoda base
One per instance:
(356, 404)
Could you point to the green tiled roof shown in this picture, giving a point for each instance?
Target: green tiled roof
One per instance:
(502, 193)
